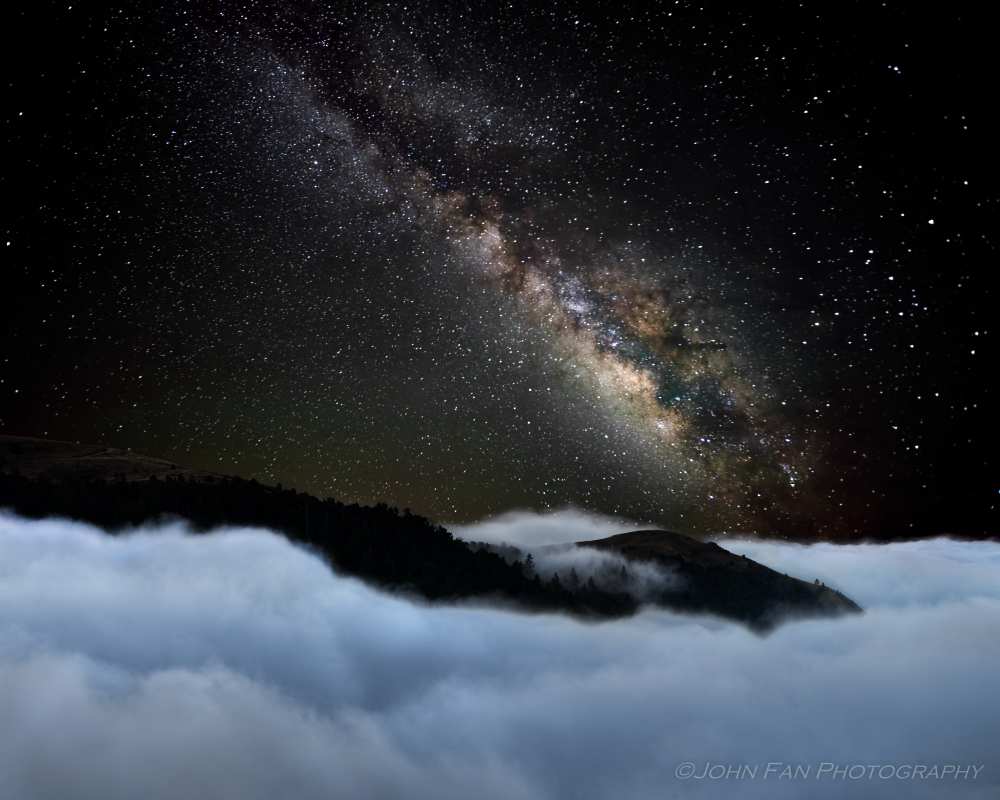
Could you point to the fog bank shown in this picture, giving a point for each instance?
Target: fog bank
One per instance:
(163, 664)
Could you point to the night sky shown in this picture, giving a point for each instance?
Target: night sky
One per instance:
(709, 267)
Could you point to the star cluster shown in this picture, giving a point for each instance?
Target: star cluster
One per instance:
(688, 265)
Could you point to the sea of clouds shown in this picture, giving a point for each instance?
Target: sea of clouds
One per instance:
(167, 665)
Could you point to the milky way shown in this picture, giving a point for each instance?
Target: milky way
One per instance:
(640, 349)
(471, 262)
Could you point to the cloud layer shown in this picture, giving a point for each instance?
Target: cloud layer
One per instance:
(164, 664)
(531, 528)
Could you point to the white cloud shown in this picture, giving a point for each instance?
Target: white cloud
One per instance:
(542, 533)
(532, 528)
(644, 580)
(927, 571)
(164, 664)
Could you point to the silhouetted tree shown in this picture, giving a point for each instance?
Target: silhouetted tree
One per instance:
(375, 543)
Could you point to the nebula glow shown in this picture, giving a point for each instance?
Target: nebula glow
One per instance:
(644, 354)
(657, 264)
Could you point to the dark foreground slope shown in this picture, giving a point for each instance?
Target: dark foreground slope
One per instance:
(55, 460)
(116, 490)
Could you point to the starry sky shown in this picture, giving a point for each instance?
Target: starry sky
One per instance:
(709, 267)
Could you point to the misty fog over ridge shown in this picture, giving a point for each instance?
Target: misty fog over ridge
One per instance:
(524, 528)
(956, 562)
(550, 537)
(162, 664)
